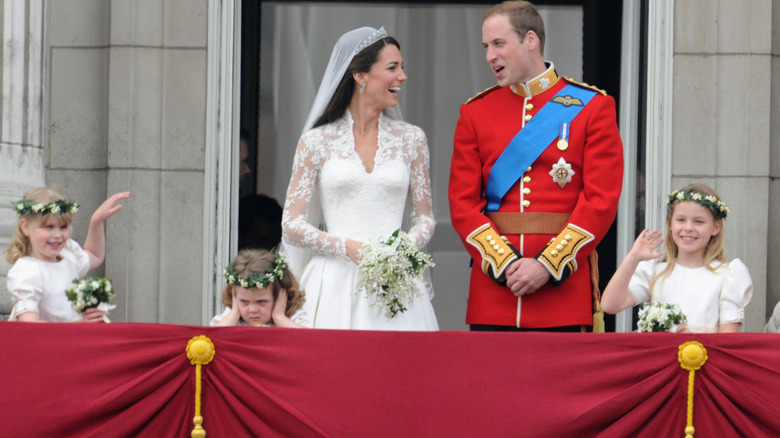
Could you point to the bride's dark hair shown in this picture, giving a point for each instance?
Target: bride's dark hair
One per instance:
(361, 63)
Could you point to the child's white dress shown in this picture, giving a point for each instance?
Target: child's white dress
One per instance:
(707, 298)
(299, 317)
(39, 286)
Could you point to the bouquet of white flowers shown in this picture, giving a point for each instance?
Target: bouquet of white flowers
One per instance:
(90, 292)
(660, 317)
(387, 270)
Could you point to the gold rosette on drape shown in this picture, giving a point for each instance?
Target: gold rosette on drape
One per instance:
(200, 351)
(692, 356)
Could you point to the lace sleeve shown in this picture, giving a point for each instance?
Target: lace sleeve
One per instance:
(300, 218)
(422, 221)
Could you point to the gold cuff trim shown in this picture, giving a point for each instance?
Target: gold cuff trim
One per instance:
(496, 252)
(560, 253)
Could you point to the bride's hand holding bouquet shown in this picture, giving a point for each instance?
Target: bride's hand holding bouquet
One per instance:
(387, 271)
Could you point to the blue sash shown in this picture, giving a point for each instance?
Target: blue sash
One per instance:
(532, 140)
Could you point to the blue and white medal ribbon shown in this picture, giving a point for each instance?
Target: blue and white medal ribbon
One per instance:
(563, 135)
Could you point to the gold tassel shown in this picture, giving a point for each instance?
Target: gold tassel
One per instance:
(200, 351)
(598, 319)
(598, 314)
(692, 356)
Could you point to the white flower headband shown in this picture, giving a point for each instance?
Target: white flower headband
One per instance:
(258, 280)
(60, 206)
(718, 208)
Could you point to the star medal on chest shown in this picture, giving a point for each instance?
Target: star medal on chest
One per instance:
(561, 173)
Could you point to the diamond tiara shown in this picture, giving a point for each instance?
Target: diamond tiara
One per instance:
(374, 37)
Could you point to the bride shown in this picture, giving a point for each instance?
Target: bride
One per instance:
(354, 166)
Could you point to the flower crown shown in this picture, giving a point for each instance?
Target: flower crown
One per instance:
(257, 280)
(60, 206)
(374, 37)
(719, 208)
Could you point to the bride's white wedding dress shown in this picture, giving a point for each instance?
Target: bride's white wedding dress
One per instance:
(359, 205)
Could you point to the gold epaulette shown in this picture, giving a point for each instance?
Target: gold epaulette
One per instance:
(584, 85)
(561, 252)
(484, 93)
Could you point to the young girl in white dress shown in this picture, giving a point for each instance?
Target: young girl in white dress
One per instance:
(46, 260)
(261, 292)
(354, 167)
(692, 272)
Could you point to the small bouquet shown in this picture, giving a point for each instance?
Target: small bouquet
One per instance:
(387, 270)
(91, 292)
(660, 317)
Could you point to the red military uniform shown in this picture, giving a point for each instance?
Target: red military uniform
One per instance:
(582, 180)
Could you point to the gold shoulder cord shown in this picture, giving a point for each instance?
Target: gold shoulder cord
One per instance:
(584, 85)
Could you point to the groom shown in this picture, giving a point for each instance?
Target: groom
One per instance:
(535, 178)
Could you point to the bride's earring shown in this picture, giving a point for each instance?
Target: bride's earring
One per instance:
(362, 88)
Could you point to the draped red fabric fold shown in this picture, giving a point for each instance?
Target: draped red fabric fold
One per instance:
(125, 379)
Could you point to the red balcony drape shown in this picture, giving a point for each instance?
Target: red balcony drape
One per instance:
(126, 379)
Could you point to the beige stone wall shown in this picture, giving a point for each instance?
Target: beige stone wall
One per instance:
(127, 111)
(721, 130)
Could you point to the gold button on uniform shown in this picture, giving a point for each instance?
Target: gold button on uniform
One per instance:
(526, 191)
(526, 179)
(526, 203)
(528, 117)
(529, 106)
(559, 247)
(554, 253)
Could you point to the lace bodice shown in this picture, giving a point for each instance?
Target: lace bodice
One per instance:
(329, 181)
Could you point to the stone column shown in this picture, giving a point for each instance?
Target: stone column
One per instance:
(721, 130)
(21, 139)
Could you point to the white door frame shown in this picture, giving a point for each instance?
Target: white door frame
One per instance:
(220, 185)
(658, 122)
